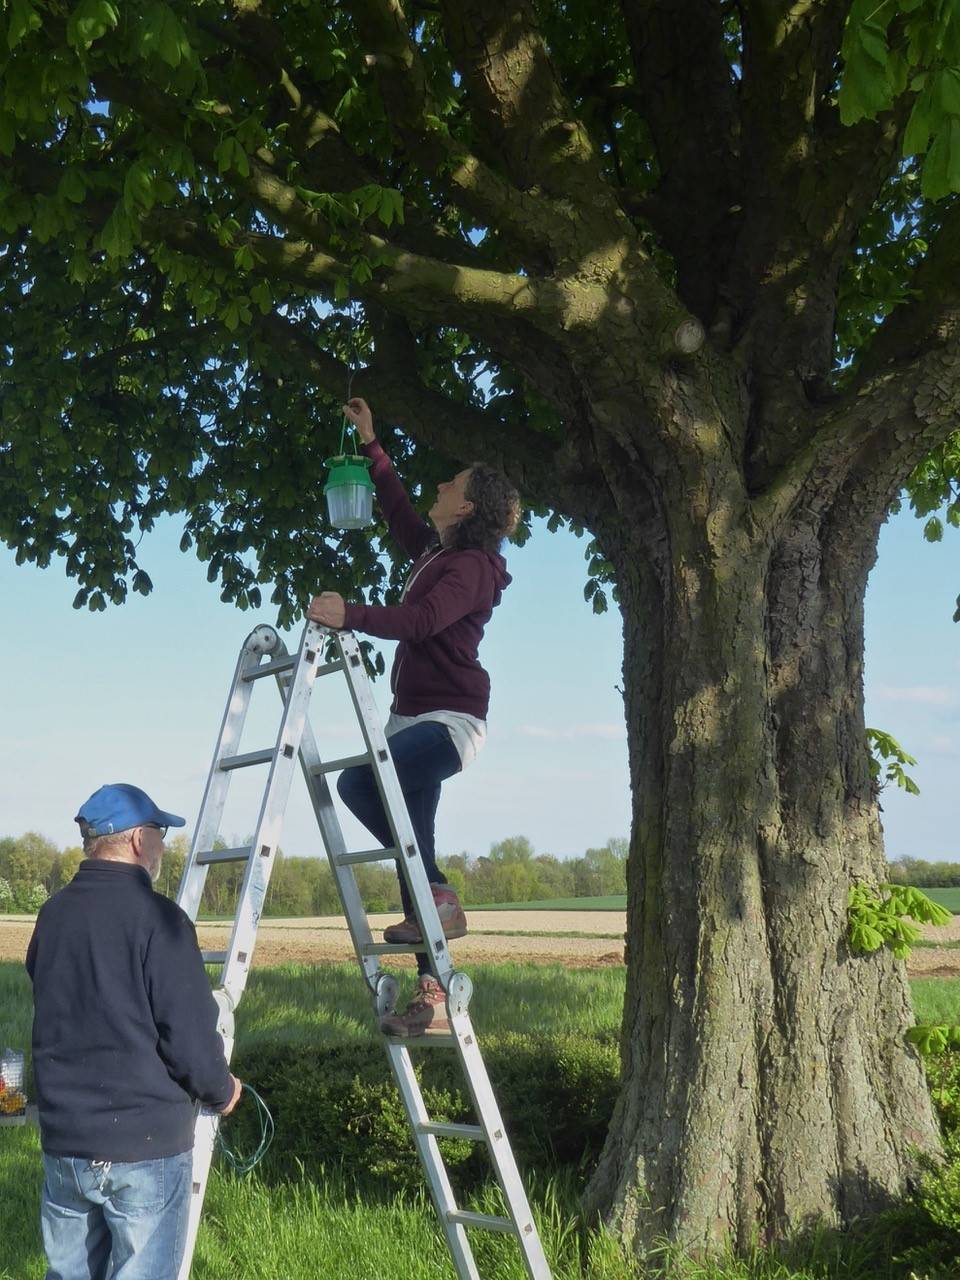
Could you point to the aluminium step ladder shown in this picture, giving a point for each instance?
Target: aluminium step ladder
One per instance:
(264, 654)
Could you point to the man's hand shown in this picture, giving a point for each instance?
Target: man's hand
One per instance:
(328, 608)
(234, 1097)
(358, 411)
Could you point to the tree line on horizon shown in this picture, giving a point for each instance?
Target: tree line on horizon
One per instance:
(33, 867)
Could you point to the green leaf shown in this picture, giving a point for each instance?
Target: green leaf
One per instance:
(72, 186)
(161, 34)
(89, 21)
(23, 19)
(138, 190)
(116, 238)
(865, 89)
(229, 154)
(949, 90)
(941, 170)
(916, 136)
(262, 295)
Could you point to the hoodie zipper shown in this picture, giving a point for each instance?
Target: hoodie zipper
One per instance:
(395, 674)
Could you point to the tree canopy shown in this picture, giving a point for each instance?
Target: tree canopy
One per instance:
(193, 191)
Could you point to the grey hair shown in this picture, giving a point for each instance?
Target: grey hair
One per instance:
(101, 846)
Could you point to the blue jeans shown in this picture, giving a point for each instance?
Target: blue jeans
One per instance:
(424, 756)
(133, 1215)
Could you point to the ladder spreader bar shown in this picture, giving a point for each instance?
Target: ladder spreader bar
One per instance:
(272, 668)
(251, 757)
(347, 762)
(467, 1219)
(365, 855)
(472, 1131)
(327, 667)
(214, 957)
(209, 856)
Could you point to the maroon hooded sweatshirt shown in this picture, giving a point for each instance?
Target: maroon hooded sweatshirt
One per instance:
(447, 602)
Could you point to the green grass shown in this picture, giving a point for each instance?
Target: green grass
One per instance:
(313, 1004)
(949, 898)
(936, 999)
(303, 1228)
(611, 902)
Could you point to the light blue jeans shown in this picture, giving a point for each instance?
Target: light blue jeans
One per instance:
(126, 1221)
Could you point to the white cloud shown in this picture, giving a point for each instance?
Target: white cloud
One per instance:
(922, 695)
(609, 730)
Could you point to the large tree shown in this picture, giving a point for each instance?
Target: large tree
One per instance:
(641, 254)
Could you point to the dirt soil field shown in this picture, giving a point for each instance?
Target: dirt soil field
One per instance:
(579, 940)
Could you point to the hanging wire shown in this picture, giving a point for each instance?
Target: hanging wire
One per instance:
(352, 363)
(241, 1165)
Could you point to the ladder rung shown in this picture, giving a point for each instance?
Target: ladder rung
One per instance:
(251, 757)
(214, 957)
(392, 948)
(347, 762)
(209, 856)
(472, 1131)
(272, 668)
(429, 1040)
(364, 855)
(467, 1219)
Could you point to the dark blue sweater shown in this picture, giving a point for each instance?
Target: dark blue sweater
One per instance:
(124, 1028)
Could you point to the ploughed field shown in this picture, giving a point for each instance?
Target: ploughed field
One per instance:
(575, 939)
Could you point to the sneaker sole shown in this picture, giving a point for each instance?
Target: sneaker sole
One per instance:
(453, 932)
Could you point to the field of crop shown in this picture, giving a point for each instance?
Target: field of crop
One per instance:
(584, 939)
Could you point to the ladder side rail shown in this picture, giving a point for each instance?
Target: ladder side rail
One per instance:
(430, 1158)
(205, 1128)
(471, 1060)
(236, 966)
(207, 828)
(266, 837)
(335, 845)
(498, 1145)
(409, 862)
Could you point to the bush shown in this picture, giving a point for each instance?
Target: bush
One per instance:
(338, 1105)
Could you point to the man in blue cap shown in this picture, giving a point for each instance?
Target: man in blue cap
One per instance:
(124, 1046)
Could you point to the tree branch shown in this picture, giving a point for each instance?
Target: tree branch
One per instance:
(870, 441)
(688, 99)
(404, 282)
(315, 139)
(460, 431)
(808, 182)
(477, 187)
(517, 102)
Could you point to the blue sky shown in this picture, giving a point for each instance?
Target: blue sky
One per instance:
(136, 694)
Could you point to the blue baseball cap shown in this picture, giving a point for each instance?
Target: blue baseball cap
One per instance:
(118, 807)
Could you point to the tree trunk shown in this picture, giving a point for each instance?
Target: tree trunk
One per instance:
(766, 1081)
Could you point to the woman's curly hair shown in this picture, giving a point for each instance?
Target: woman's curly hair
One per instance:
(495, 514)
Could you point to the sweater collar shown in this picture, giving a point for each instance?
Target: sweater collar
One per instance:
(103, 868)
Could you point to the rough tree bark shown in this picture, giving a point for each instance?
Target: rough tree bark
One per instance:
(766, 1085)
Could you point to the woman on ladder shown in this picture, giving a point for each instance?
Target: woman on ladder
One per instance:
(437, 720)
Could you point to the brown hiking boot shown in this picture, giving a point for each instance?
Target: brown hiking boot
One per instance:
(427, 1011)
(452, 919)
